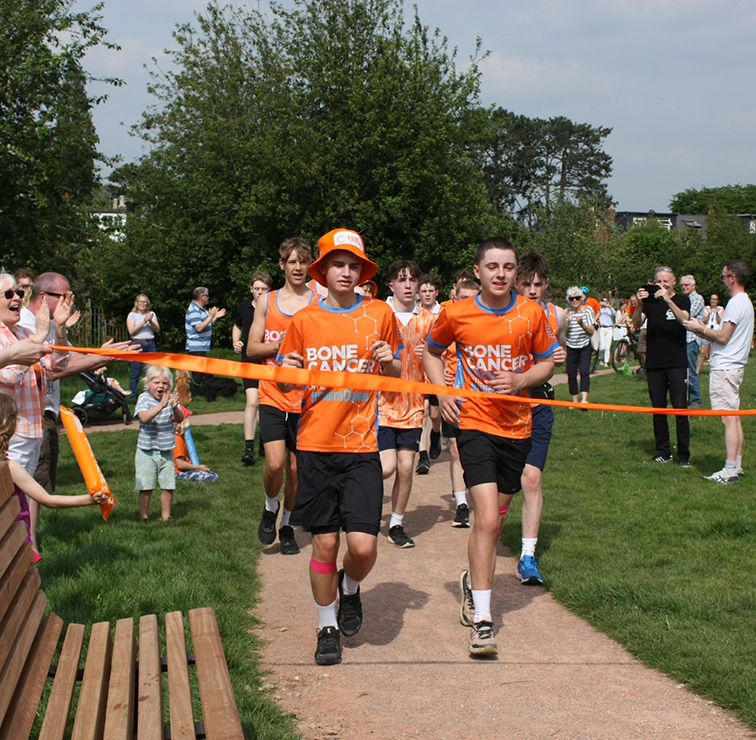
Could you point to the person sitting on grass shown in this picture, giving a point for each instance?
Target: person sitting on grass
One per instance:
(185, 469)
(157, 409)
(25, 484)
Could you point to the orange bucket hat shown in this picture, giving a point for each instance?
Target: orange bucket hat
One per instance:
(349, 241)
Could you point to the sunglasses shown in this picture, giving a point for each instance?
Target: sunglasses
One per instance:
(10, 293)
(575, 298)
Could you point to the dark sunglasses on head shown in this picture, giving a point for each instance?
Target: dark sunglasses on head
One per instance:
(11, 292)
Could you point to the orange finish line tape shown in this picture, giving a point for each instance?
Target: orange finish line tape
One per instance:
(364, 382)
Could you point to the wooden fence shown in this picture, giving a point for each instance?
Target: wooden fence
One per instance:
(94, 328)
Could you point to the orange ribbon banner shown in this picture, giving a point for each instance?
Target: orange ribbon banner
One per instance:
(365, 382)
(90, 469)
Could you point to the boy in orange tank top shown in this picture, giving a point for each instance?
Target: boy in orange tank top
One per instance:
(340, 482)
(279, 413)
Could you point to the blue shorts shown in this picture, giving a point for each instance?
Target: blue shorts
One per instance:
(392, 438)
(154, 468)
(543, 423)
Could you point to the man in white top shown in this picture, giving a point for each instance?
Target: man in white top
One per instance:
(729, 355)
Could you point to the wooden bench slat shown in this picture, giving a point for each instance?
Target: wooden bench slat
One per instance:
(14, 568)
(150, 692)
(119, 716)
(7, 486)
(14, 665)
(61, 695)
(90, 711)
(220, 714)
(11, 624)
(23, 709)
(179, 690)
(8, 513)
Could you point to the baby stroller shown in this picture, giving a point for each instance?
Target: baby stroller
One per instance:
(100, 401)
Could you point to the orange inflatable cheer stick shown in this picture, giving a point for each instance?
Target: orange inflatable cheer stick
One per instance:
(93, 476)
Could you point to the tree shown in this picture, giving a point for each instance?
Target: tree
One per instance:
(732, 199)
(534, 165)
(331, 113)
(47, 140)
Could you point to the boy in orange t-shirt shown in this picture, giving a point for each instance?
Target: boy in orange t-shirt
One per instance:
(503, 347)
(340, 479)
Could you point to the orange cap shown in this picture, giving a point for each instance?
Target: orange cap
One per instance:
(349, 241)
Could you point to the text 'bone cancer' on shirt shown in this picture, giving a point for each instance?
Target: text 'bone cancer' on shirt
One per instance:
(340, 340)
(488, 342)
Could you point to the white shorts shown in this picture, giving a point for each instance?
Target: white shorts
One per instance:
(724, 388)
(25, 451)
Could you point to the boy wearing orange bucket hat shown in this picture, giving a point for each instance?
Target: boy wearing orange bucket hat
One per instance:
(340, 477)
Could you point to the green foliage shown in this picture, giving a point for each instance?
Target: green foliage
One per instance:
(47, 140)
(732, 199)
(534, 165)
(332, 113)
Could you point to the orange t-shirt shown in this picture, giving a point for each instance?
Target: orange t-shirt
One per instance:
(405, 410)
(337, 419)
(594, 304)
(179, 451)
(276, 324)
(490, 341)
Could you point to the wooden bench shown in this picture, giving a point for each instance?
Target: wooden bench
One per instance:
(121, 685)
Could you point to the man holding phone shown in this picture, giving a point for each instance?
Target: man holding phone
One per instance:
(666, 360)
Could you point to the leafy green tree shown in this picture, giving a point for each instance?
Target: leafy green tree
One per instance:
(731, 199)
(329, 113)
(533, 165)
(47, 140)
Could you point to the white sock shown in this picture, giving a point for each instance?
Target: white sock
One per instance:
(271, 504)
(327, 616)
(460, 497)
(528, 546)
(285, 518)
(731, 467)
(739, 461)
(396, 519)
(482, 601)
(349, 586)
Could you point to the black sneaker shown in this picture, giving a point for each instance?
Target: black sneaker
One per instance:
(423, 464)
(248, 458)
(289, 545)
(661, 459)
(328, 651)
(397, 536)
(266, 532)
(435, 445)
(462, 517)
(685, 463)
(350, 610)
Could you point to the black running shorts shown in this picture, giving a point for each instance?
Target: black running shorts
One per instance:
(487, 458)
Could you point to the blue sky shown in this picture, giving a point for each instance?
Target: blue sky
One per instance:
(674, 80)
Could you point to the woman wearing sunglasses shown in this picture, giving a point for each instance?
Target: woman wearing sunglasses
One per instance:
(20, 380)
(580, 326)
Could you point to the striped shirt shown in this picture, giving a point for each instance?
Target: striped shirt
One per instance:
(696, 312)
(197, 341)
(156, 434)
(577, 338)
(20, 382)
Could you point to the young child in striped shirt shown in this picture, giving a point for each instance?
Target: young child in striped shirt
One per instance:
(157, 409)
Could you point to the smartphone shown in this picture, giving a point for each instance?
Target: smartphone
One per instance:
(651, 289)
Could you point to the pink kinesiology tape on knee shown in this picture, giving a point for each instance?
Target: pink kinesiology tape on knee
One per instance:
(503, 510)
(318, 567)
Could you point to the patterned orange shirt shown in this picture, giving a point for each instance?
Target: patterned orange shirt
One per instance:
(405, 410)
(491, 341)
(276, 324)
(339, 419)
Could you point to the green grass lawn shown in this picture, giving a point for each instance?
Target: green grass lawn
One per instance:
(652, 555)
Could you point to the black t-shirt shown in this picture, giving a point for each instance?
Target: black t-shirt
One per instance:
(666, 346)
(245, 314)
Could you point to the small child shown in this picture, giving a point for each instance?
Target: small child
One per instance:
(25, 484)
(156, 408)
(185, 468)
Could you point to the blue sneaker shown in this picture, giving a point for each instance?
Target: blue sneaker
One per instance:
(527, 571)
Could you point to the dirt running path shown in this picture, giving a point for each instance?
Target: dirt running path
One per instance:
(407, 673)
